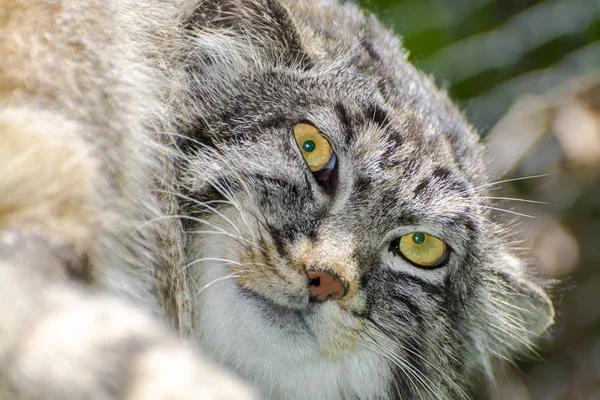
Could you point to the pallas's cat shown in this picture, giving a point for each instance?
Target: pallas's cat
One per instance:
(272, 179)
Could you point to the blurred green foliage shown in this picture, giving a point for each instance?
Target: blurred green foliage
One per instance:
(488, 52)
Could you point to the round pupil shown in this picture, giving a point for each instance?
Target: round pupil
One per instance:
(309, 146)
(418, 238)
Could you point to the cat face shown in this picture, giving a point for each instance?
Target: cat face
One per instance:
(337, 166)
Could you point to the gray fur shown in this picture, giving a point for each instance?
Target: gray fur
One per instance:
(205, 213)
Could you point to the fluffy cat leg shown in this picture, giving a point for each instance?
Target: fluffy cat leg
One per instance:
(60, 338)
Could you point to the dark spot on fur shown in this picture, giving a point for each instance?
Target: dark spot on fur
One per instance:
(370, 49)
(419, 190)
(346, 121)
(51, 256)
(277, 121)
(190, 141)
(410, 166)
(379, 116)
(470, 225)
(362, 185)
(441, 173)
(447, 178)
(80, 269)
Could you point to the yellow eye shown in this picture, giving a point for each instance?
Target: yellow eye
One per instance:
(315, 148)
(423, 250)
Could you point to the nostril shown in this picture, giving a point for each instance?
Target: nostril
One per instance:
(322, 285)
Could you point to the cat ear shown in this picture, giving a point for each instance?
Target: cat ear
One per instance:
(265, 25)
(520, 311)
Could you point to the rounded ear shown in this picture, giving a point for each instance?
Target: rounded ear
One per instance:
(266, 25)
(519, 309)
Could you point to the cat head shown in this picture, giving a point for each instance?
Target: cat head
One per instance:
(339, 231)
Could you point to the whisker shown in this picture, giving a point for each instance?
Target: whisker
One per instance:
(244, 266)
(503, 210)
(383, 335)
(500, 228)
(398, 363)
(180, 216)
(231, 235)
(216, 212)
(425, 382)
(191, 199)
(179, 135)
(487, 185)
(228, 194)
(230, 276)
(224, 260)
(511, 199)
(205, 205)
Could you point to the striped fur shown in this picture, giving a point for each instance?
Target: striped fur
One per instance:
(153, 190)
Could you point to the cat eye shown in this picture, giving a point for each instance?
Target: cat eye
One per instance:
(422, 250)
(315, 148)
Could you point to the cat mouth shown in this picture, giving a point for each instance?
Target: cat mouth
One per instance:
(332, 331)
(301, 293)
(278, 307)
(282, 315)
(289, 300)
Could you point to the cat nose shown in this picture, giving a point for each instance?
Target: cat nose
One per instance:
(322, 285)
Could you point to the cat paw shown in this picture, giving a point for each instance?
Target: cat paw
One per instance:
(61, 339)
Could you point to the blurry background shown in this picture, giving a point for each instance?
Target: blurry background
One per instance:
(527, 74)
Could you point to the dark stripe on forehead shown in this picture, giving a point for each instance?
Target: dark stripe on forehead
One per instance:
(441, 173)
(379, 116)
(420, 189)
(374, 114)
(442, 180)
(463, 221)
(277, 121)
(463, 225)
(346, 122)
(450, 179)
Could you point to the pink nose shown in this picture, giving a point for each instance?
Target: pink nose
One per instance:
(323, 285)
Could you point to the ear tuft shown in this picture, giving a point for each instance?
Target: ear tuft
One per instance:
(520, 310)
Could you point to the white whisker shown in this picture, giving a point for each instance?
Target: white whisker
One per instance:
(488, 185)
(425, 382)
(503, 210)
(230, 276)
(511, 199)
(379, 331)
(231, 235)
